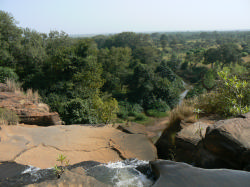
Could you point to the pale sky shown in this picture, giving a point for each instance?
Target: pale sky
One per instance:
(114, 16)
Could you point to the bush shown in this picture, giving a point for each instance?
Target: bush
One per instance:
(158, 105)
(233, 93)
(79, 111)
(156, 113)
(128, 109)
(244, 54)
(197, 90)
(7, 73)
(8, 117)
(140, 117)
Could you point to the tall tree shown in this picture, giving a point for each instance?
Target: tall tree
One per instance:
(10, 37)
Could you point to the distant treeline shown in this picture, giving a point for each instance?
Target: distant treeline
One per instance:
(91, 80)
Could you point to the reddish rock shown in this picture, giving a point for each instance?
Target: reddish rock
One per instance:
(29, 111)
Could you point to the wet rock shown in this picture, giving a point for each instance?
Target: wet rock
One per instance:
(173, 174)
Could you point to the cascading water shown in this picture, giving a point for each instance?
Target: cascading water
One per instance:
(124, 174)
(127, 173)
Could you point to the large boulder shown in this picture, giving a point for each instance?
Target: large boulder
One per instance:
(229, 140)
(28, 110)
(40, 146)
(188, 141)
(171, 174)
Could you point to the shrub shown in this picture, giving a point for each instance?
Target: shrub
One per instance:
(140, 117)
(79, 111)
(7, 73)
(8, 117)
(233, 92)
(128, 109)
(156, 113)
(244, 54)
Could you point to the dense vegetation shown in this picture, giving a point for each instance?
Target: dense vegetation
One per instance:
(90, 80)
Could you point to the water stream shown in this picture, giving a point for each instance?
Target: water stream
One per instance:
(184, 93)
(127, 173)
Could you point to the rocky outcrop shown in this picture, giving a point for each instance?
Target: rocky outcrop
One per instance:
(40, 146)
(225, 144)
(169, 173)
(28, 111)
(229, 140)
(188, 141)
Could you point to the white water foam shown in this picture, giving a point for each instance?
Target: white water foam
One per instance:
(31, 170)
(131, 164)
(127, 176)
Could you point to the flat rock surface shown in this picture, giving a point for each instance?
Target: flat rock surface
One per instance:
(40, 146)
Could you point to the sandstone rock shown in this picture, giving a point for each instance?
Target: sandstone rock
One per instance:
(230, 141)
(29, 111)
(173, 174)
(133, 128)
(40, 146)
(187, 142)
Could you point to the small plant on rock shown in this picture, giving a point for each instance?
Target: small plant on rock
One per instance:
(63, 164)
(197, 112)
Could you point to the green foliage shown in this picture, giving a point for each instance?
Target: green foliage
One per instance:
(10, 35)
(197, 90)
(140, 117)
(72, 74)
(156, 113)
(128, 109)
(106, 109)
(7, 73)
(244, 54)
(233, 93)
(80, 111)
(8, 117)
(158, 105)
(209, 79)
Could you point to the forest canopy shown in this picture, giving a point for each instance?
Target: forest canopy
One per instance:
(91, 80)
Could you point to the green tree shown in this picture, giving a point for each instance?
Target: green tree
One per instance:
(211, 56)
(10, 37)
(230, 53)
(164, 40)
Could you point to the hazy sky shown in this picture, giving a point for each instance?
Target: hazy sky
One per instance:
(113, 16)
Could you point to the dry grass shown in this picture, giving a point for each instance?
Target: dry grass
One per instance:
(246, 59)
(33, 96)
(8, 117)
(30, 94)
(13, 86)
(184, 111)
